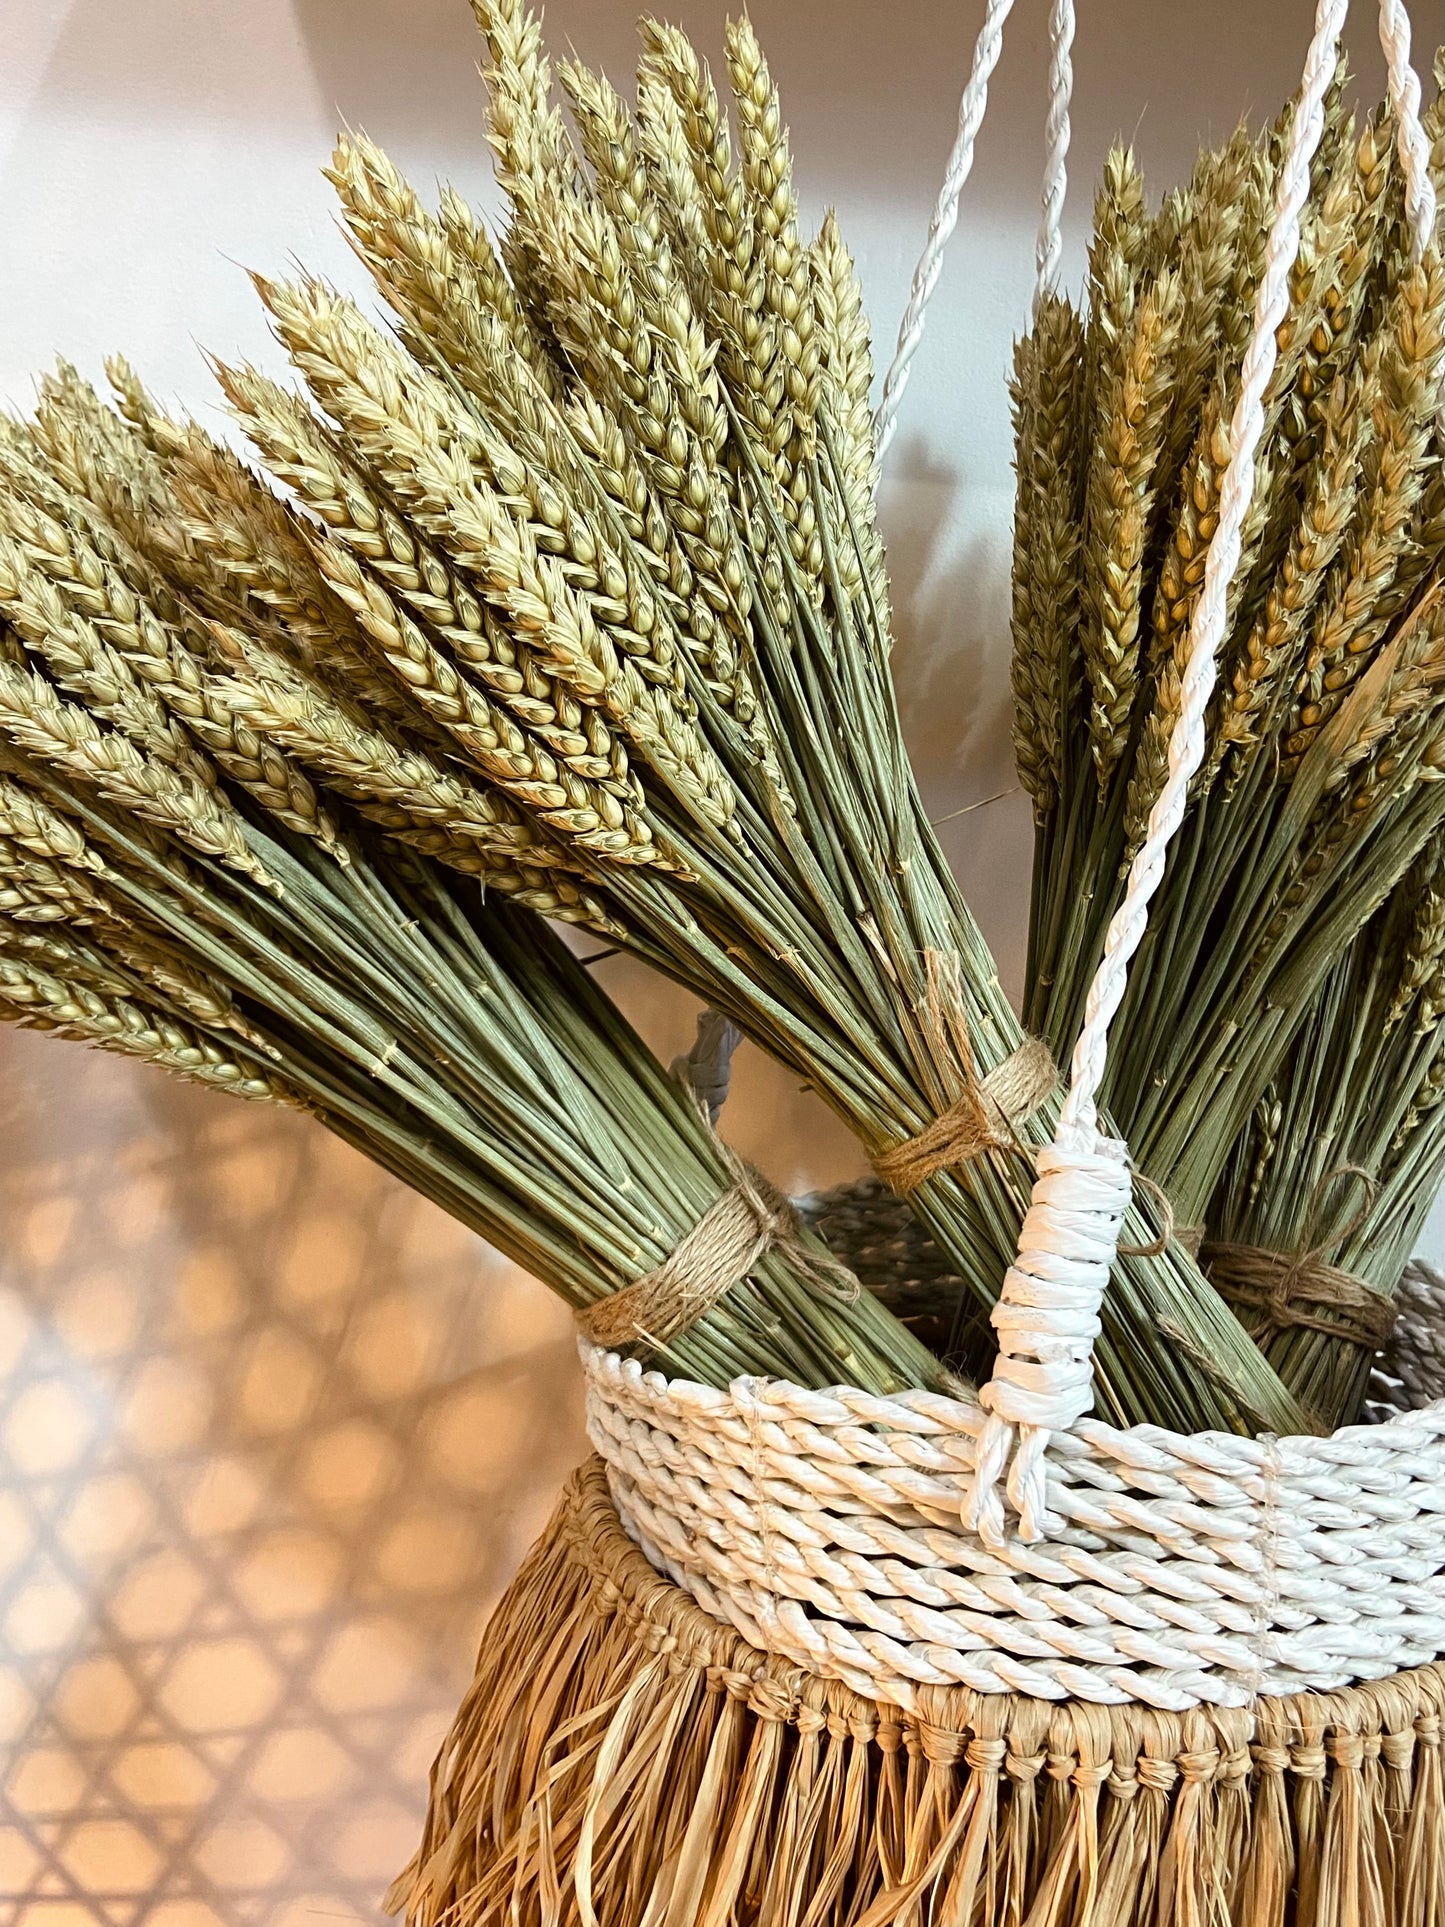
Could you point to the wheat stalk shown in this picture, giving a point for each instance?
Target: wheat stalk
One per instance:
(1046, 402)
(1120, 506)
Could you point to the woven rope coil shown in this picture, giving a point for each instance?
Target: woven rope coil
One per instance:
(1412, 1371)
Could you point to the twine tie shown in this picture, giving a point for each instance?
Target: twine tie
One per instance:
(1275, 1291)
(985, 1118)
(749, 1220)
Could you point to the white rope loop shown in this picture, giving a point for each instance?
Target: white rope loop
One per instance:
(1050, 248)
(945, 218)
(1070, 1191)
(1047, 1322)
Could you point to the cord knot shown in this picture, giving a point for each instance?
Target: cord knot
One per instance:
(1047, 1320)
(750, 1219)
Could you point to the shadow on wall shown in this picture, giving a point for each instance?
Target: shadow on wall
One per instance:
(273, 1432)
(871, 93)
(858, 102)
(949, 545)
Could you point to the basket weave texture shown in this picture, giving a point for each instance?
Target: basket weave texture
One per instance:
(624, 1758)
(826, 1528)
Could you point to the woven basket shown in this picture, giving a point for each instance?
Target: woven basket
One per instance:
(824, 1527)
(639, 1748)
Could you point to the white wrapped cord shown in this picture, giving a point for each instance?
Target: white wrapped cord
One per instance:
(1050, 248)
(945, 218)
(1414, 146)
(1404, 90)
(1058, 1281)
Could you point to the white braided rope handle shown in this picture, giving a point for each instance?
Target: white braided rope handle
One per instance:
(1049, 250)
(1414, 146)
(1047, 1318)
(971, 111)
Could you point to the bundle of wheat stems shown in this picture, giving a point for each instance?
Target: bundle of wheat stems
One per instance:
(577, 581)
(1326, 1191)
(175, 885)
(1326, 741)
(601, 519)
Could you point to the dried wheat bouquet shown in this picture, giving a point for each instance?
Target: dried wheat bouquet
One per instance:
(1326, 741)
(599, 510)
(1327, 1188)
(313, 913)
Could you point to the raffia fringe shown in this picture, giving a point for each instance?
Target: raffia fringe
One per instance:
(622, 1760)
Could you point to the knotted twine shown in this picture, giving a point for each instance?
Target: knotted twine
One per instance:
(1277, 1291)
(988, 1112)
(749, 1220)
(985, 1118)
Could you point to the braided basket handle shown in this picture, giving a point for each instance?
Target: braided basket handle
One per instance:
(1047, 1318)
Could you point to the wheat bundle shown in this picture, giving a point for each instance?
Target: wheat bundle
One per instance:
(1326, 1192)
(1319, 785)
(295, 915)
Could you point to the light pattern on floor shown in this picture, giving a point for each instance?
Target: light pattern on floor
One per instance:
(273, 1433)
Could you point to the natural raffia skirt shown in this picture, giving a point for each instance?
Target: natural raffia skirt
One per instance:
(624, 1759)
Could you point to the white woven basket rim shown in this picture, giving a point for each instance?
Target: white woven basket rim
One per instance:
(1177, 1569)
(926, 1404)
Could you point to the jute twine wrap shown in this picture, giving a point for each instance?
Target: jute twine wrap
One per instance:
(1273, 1291)
(623, 1760)
(985, 1118)
(749, 1220)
